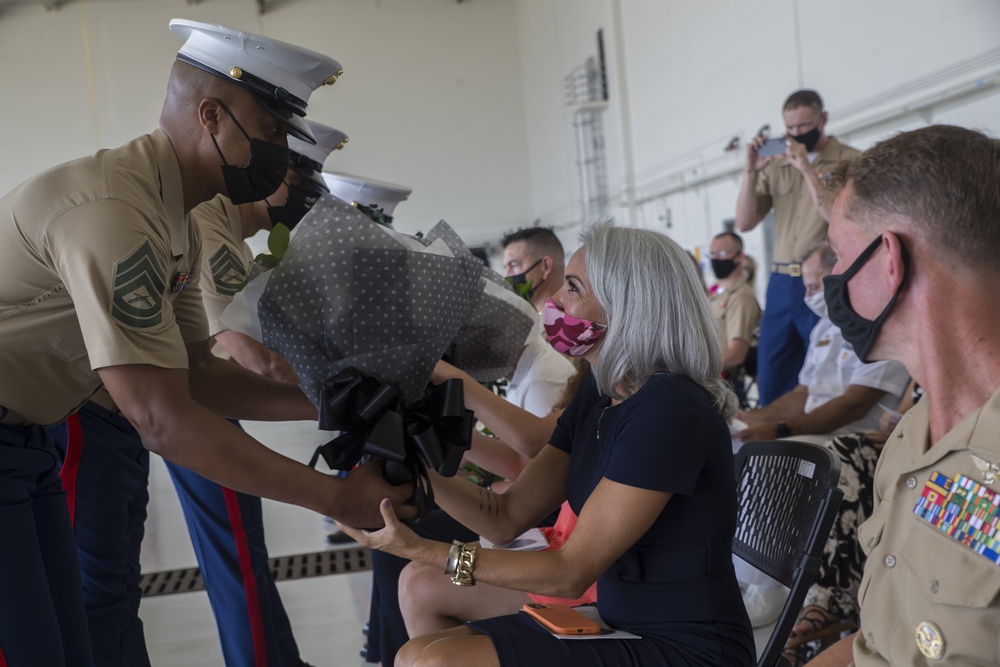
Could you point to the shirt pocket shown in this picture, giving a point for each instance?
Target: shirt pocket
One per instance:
(69, 343)
(955, 588)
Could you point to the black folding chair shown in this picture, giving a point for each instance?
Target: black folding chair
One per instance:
(788, 500)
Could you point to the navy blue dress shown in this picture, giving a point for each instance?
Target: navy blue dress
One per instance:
(675, 587)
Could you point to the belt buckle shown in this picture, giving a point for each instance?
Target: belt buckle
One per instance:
(795, 270)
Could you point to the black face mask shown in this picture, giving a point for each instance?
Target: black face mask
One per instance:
(520, 278)
(263, 174)
(810, 138)
(856, 330)
(722, 268)
(299, 201)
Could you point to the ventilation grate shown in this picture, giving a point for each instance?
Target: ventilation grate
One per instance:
(297, 566)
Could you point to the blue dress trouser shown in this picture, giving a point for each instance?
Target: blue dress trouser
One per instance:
(784, 337)
(227, 531)
(106, 471)
(42, 617)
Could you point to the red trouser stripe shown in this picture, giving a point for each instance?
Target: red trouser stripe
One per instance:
(71, 466)
(3, 661)
(249, 581)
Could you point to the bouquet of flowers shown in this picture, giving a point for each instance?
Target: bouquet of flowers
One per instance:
(363, 313)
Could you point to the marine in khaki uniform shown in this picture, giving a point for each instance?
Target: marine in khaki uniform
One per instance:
(99, 284)
(734, 305)
(914, 225)
(790, 185)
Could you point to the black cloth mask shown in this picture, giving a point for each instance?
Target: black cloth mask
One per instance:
(722, 268)
(521, 279)
(299, 201)
(810, 138)
(856, 330)
(263, 174)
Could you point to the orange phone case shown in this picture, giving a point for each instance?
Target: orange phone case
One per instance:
(561, 619)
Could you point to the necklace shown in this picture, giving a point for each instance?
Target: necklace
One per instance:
(599, 420)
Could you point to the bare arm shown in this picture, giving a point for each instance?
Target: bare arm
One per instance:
(748, 214)
(798, 157)
(785, 407)
(159, 405)
(253, 356)
(524, 432)
(614, 517)
(840, 654)
(735, 353)
(852, 405)
(496, 456)
(233, 391)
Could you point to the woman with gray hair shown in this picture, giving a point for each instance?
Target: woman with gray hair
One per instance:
(642, 453)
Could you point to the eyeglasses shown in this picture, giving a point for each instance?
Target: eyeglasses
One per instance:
(723, 254)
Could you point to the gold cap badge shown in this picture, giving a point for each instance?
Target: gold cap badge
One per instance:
(236, 72)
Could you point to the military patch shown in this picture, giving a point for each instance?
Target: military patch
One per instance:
(180, 281)
(228, 271)
(139, 284)
(964, 510)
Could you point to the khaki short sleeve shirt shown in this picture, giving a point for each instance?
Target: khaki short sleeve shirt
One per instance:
(736, 312)
(227, 257)
(798, 225)
(98, 267)
(926, 596)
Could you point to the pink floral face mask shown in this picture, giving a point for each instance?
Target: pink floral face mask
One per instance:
(569, 334)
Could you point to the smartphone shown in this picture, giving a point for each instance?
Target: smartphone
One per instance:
(772, 147)
(561, 619)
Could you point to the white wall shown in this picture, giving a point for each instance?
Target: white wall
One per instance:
(431, 95)
(465, 101)
(691, 75)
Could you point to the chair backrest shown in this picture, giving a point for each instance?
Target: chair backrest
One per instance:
(788, 500)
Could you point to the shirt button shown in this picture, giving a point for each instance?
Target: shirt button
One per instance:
(890, 561)
(934, 586)
(911, 482)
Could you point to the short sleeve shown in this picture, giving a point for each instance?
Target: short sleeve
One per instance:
(742, 317)
(121, 286)
(586, 398)
(660, 438)
(888, 376)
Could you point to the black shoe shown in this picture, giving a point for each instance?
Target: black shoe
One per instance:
(339, 537)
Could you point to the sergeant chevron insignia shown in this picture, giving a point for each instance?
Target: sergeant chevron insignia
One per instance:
(228, 271)
(139, 283)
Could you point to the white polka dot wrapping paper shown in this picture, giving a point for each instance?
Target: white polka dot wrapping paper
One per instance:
(349, 292)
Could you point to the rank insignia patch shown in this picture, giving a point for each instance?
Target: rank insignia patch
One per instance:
(228, 272)
(964, 510)
(139, 284)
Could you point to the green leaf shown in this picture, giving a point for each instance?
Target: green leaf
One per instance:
(266, 260)
(277, 241)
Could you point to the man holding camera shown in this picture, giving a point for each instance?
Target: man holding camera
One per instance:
(789, 183)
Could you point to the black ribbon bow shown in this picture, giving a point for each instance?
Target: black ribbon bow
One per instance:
(432, 433)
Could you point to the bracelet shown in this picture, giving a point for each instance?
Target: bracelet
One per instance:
(452, 564)
(466, 564)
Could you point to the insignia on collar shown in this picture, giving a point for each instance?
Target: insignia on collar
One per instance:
(987, 469)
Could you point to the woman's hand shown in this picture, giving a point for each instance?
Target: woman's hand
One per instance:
(395, 538)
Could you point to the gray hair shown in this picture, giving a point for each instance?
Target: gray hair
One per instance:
(658, 315)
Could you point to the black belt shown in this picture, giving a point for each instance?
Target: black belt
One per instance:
(793, 269)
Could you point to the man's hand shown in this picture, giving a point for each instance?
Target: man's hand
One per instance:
(358, 505)
(394, 537)
(760, 431)
(754, 162)
(797, 155)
